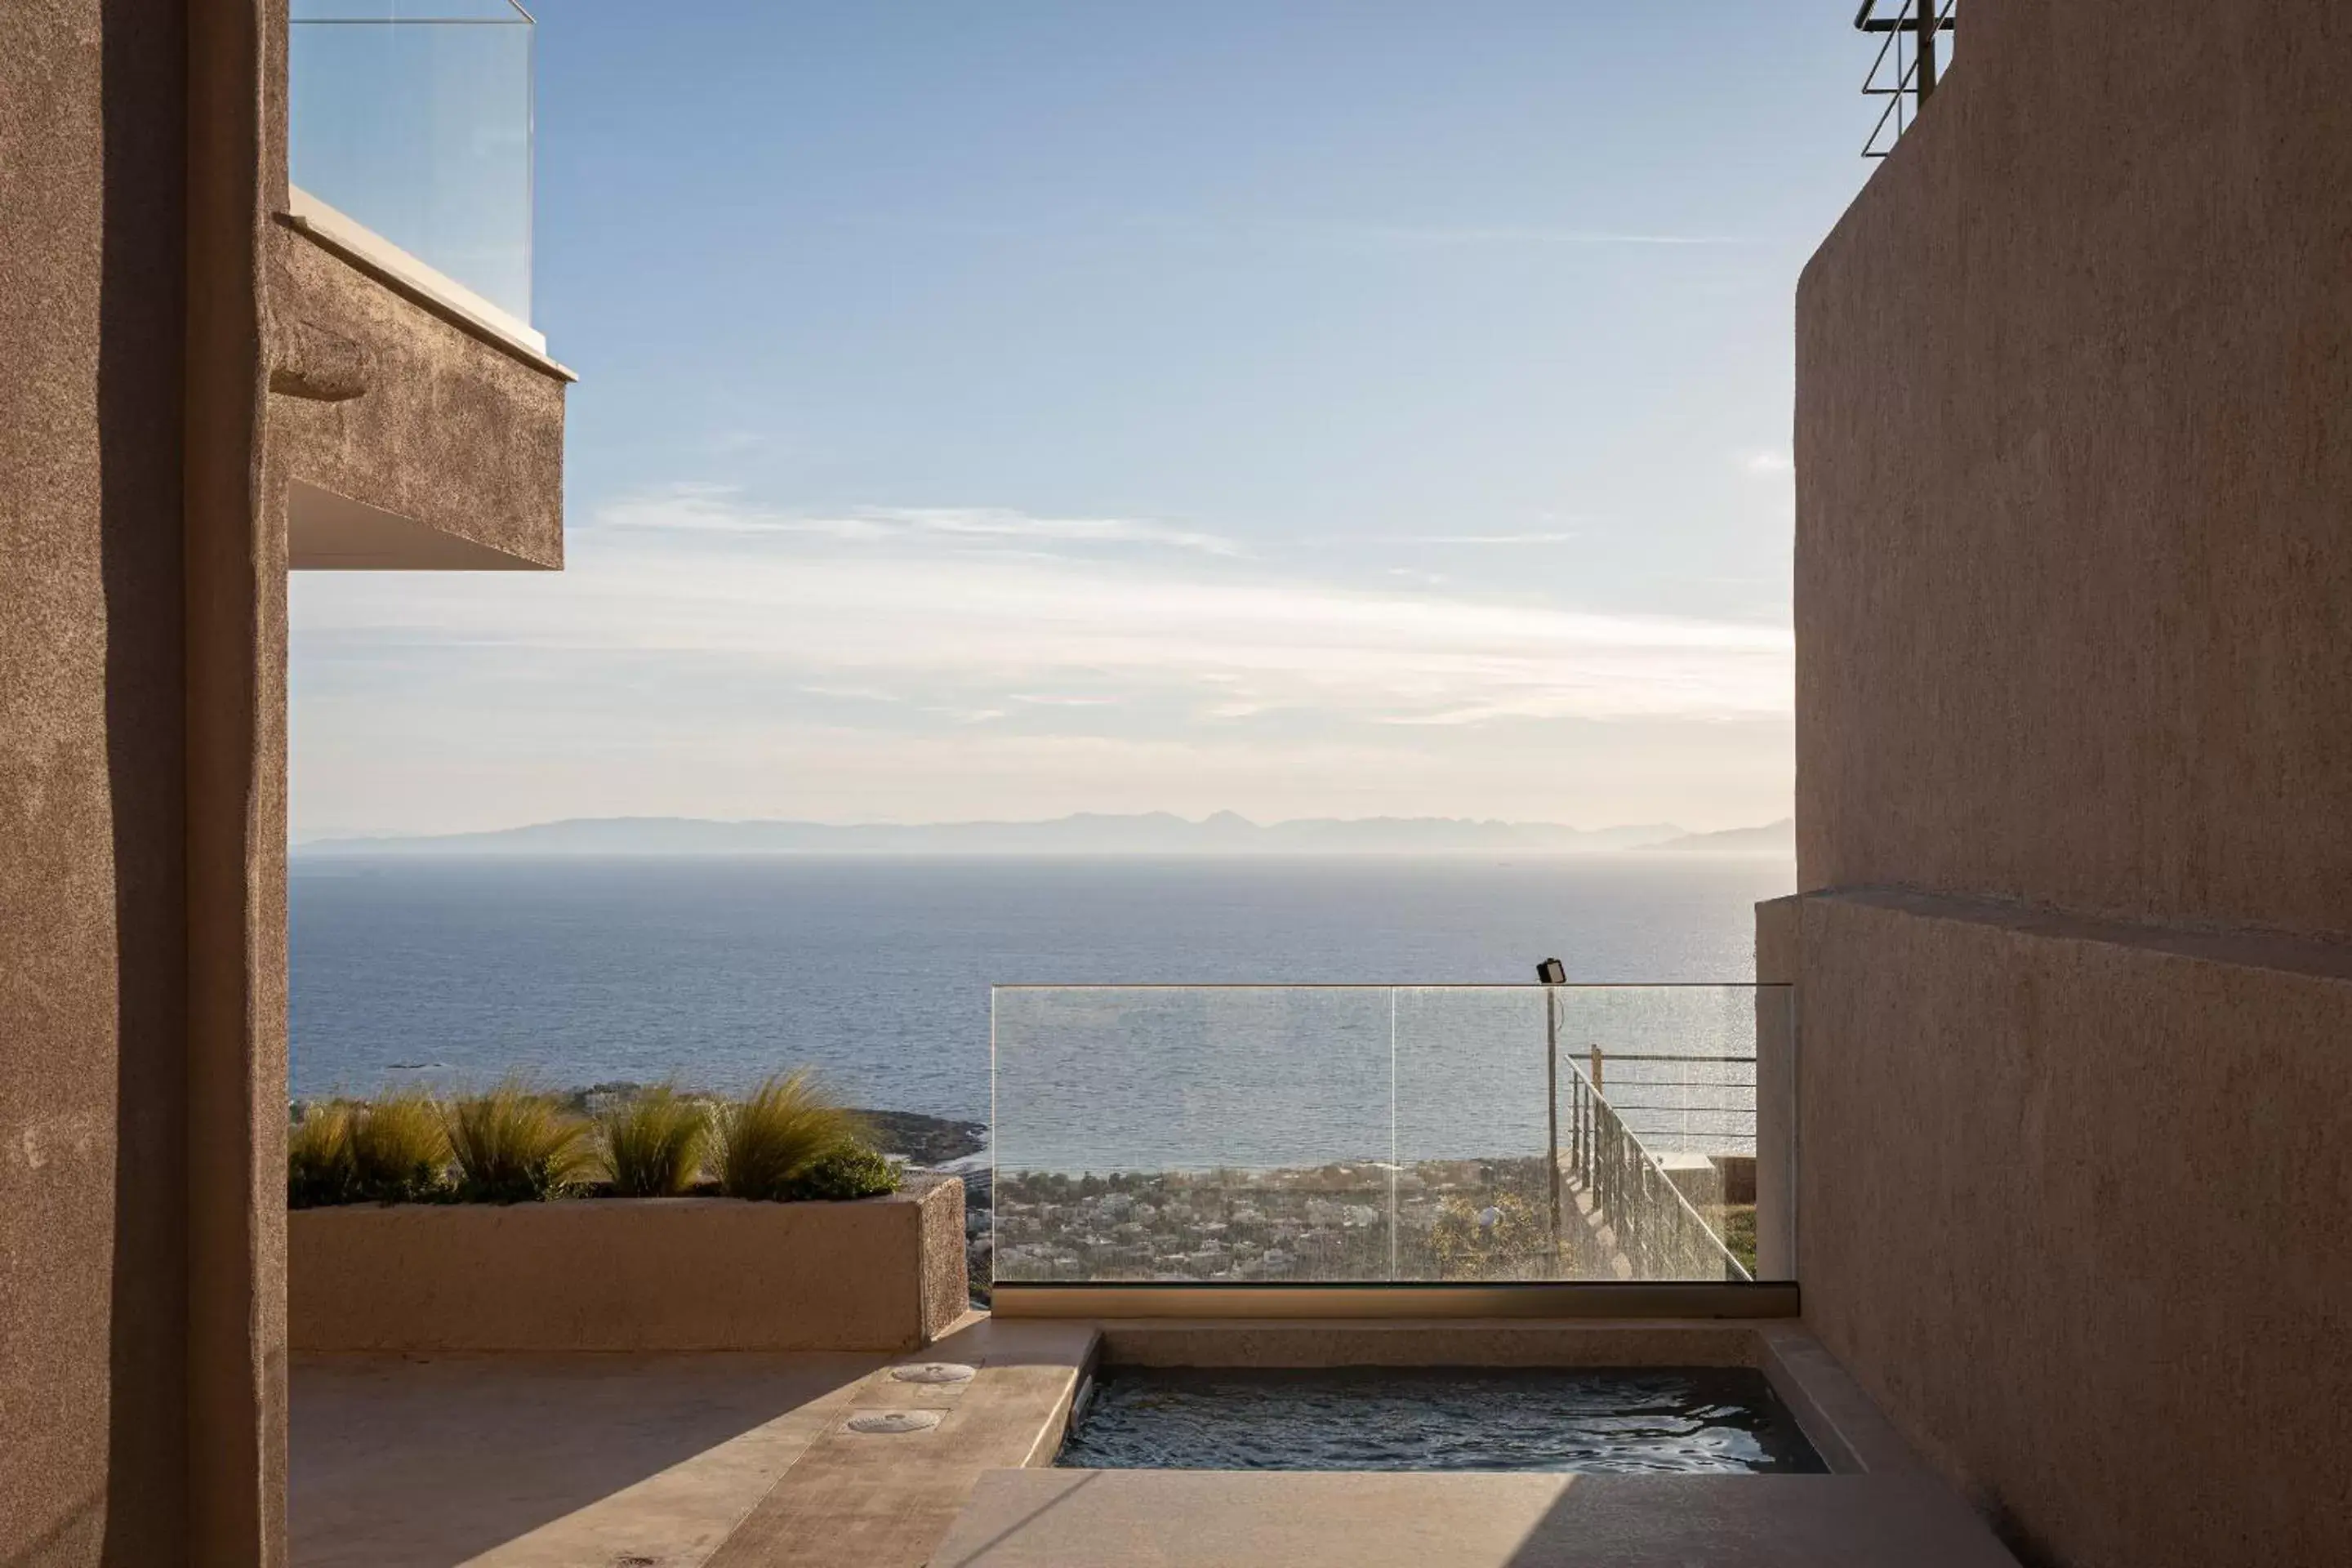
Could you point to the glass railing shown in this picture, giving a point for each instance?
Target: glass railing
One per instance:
(414, 123)
(1366, 1135)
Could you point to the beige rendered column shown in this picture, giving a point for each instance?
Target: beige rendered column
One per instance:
(1776, 965)
(233, 550)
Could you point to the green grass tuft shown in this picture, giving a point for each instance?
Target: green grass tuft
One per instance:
(852, 1171)
(769, 1139)
(319, 1170)
(400, 1149)
(654, 1143)
(1739, 1234)
(514, 1144)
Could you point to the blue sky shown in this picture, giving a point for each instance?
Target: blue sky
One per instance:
(1012, 409)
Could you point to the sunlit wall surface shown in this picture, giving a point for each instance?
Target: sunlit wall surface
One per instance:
(1321, 1134)
(417, 123)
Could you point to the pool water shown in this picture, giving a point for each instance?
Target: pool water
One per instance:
(1650, 1420)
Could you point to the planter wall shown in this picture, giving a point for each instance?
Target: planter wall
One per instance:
(629, 1274)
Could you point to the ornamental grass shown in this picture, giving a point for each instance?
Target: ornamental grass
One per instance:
(771, 1138)
(516, 1145)
(319, 1168)
(654, 1142)
(400, 1149)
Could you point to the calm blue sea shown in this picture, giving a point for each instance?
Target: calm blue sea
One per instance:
(877, 970)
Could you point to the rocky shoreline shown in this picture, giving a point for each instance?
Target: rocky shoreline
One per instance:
(917, 1139)
(927, 1140)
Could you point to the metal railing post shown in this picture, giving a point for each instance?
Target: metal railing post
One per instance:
(1552, 1109)
(1910, 35)
(1925, 49)
(1576, 1134)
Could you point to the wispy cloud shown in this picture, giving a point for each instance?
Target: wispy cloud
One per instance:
(905, 603)
(992, 522)
(1212, 229)
(717, 509)
(1505, 540)
(1767, 462)
(1443, 235)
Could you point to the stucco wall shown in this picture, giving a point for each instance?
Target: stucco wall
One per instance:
(231, 1187)
(2090, 1252)
(2074, 595)
(142, 777)
(672, 1274)
(92, 1293)
(2074, 660)
(382, 401)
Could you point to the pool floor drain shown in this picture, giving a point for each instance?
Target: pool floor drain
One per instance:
(932, 1372)
(894, 1421)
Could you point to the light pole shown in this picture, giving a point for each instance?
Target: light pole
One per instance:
(1552, 973)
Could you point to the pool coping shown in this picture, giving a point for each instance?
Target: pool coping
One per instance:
(890, 1501)
(1338, 1519)
(1546, 1300)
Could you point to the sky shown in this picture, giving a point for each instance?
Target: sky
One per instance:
(998, 411)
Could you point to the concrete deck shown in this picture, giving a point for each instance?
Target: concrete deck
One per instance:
(883, 1501)
(1213, 1519)
(545, 1461)
(659, 1461)
(749, 1460)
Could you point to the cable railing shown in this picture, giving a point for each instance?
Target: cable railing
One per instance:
(1705, 1104)
(1367, 1135)
(1907, 68)
(1646, 1224)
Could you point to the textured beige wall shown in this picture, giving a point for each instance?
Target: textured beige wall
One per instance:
(668, 1274)
(382, 401)
(2074, 595)
(92, 1292)
(2074, 634)
(234, 588)
(143, 774)
(945, 1286)
(2075, 1213)
(1777, 1145)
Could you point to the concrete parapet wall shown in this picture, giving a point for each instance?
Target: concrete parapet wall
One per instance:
(2075, 1199)
(629, 1274)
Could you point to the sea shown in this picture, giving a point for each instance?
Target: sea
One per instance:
(877, 972)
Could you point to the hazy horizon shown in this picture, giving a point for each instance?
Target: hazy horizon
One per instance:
(1323, 410)
(1082, 832)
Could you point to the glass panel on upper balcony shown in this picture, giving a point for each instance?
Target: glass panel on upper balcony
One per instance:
(1406, 1134)
(414, 123)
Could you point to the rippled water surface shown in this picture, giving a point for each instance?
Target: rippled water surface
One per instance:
(1679, 1420)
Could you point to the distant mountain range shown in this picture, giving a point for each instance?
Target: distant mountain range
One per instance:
(1772, 839)
(1154, 833)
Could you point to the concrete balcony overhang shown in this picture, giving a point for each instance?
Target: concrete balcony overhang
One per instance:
(328, 532)
(418, 425)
